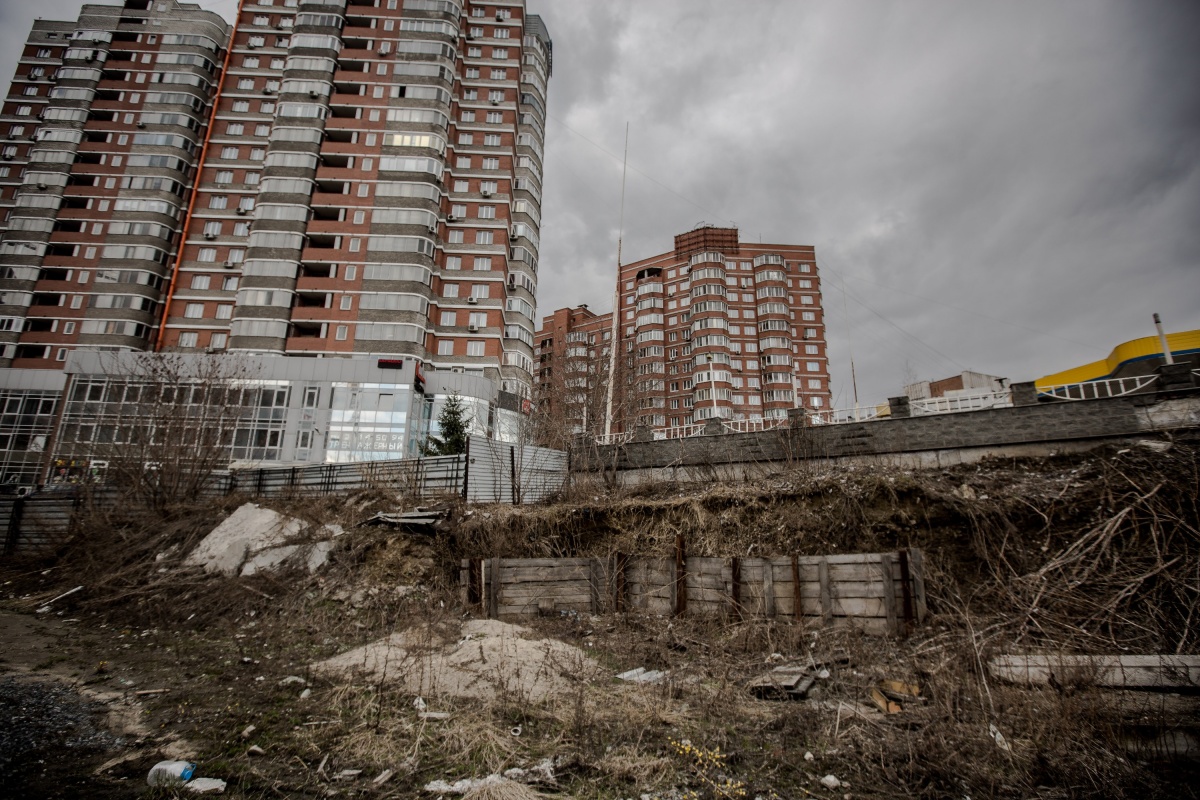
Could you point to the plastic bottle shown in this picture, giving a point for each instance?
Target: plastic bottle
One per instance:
(171, 773)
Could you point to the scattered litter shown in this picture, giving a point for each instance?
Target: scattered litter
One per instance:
(255, 750)
(206, 786)
(170, 773)
(788, 682)
(823, 675)
(52, 601)
(516, 730)
(347, 775)
(419, 704)
(542, 772)
(830, 782)
(1001, 742)
(643, 675)
(1152, 444)
(248, 730)
(148, 692)
(493, 787)
(290, 679)
(383, 777)
(434, 715)
(808, 756)
(419, 521)
(307, 693)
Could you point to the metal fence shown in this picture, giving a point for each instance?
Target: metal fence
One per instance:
(40, 523)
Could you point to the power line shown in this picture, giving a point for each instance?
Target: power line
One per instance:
(616, 158)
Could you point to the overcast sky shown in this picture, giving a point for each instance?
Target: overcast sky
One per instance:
(1010, 187)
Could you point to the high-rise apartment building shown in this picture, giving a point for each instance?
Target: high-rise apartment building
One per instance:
(102, 129)
(716, 328)
(370, 183)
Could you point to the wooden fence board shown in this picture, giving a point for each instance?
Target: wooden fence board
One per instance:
(867, 590)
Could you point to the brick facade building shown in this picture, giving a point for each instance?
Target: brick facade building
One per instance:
(369, 184)
(716, 327)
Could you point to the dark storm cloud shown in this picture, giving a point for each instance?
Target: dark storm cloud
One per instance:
(1032, 164)
(1011, 187)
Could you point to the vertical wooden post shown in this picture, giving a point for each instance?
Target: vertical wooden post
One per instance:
(908, 616)
(797, 608)
(735, 580)
(493, 587)
(680, 593)
(768, 577)
(889, 592)
(916, 560)
(826, 593)
(620, 582)
(594, 579)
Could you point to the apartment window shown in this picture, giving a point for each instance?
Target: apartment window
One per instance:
(492, 140)
(218, 201)
(267, 107)
(241, 229)
(500, 53)
(458, 211)
(188, 339)
(224, 312)
(241, 106)
(225, 176)
(446, 347)
(207, 254)
(194, 310)
(341, 332)
(470, 94)
(262, 130)
(250, 62)
(454, 262)
(489, 186)
(483, 237)
(811, 350)
(462, 186)
(200, 281)
(475, 348)
(487, 212)
(229, 284)
(809, 316)
(463, 162)
(450, 290)
(347, 302)
(252, 178)
(814, 383)
(212, 228)
(448, 319)
(471, 72)
(812, 366)
(495, 117)
(500, 33)
(499, 74)
(479, 291)
(475, 52)
(483, 263)
(218, 341)
(43, 52)
(467, 116)
(478, 319)
(454, 237)
(24, 111)
(491, 163)
(246, 84)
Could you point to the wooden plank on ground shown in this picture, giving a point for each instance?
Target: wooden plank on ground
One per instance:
(1127, 672)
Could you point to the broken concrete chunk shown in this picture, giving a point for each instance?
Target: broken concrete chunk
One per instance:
(643, 675)
(318, 555)
(830, 782)
(206, 786)
(246, 531)
(268, 560)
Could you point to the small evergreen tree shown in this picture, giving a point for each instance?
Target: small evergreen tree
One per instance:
(453, 424)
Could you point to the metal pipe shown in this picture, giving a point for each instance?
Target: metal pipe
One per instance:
(1162, 340)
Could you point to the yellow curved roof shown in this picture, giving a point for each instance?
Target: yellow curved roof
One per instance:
(1134, 350)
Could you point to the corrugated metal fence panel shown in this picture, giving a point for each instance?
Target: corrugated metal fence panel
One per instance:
(425, 477)
(39, 524)
(8, 508)
(501, 472)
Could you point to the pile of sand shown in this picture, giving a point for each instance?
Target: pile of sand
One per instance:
(483, 659)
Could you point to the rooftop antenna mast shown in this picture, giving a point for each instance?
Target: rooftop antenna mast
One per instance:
(616, 312)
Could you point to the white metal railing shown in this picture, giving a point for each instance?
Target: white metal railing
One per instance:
(836, 416)
(753, 425)
(679, 431)
(614, 438)
(951, 405)
(1096, 390)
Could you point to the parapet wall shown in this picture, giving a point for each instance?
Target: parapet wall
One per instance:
(942, 439)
